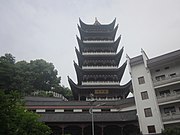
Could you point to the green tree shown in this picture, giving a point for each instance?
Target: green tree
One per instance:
(6, 71)
(172, 131)
(27, 77)
(35, 76)
(44, 75)
(16, 120)
(23, 79)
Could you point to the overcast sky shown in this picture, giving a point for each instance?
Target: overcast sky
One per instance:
(47, 29)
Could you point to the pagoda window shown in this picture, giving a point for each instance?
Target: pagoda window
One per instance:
(85, 78)
(113, 63)
(85, 63)
(100, 78)
(111, 49)
(91, 78)
(109, 78)
(115, 78)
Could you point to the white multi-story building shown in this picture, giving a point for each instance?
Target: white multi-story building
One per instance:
(156, 89)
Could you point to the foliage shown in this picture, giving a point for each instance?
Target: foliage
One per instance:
(27, 77)
(6, 71)
(16, 120)
(172, 131)
(36, 75)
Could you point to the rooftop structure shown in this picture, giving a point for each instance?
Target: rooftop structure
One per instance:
(73, 117)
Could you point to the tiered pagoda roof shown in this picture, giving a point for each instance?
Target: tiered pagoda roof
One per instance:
(98, 70)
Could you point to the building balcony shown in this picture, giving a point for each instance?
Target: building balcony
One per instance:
(98, 41)
(98, 53)
(167, 98)
(165, 81)
(171, 116)
(100, 83)
(99, 67)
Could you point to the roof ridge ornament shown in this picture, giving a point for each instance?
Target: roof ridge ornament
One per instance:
(96, 21)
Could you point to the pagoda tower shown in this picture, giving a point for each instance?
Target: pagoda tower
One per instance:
(98, 71)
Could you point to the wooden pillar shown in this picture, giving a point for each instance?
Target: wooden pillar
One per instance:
(82, 130)
(62, 127)
(122, 132)
(62, 130)
(102, 130)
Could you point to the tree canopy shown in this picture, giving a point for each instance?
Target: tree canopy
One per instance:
(27, 77)
(6, 71)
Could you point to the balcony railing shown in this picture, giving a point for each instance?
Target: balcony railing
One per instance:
(100, 83)
(99, 67)
(103, 99)
(98, 53)
(168, 97)
(98, 41)
(166, 80)
(171, 116)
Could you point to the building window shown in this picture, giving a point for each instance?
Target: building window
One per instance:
(40, 110)
(141, 80)
(161, 77)
(151, 129)
(148, 112)
(77, 110)
(157, 70)
(172, 75)
(169, 110)
(166, 68)
(144, 95)
(164, 93)
(177, 91)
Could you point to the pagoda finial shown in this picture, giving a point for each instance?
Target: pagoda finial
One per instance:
(96, 21)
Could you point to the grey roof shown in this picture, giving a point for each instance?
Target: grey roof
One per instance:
(166, 58)
(136, 60)
(37, 98)
(39, 101)
(86, 117)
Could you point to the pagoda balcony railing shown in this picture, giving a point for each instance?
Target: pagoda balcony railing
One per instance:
(99, 67)
(101, 83)
(98, 53)
(166, 80)
(98, 41)
(171, 116)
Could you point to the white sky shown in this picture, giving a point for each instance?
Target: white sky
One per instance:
(47, 29)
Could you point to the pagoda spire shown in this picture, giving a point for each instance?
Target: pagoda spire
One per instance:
(96, 21)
